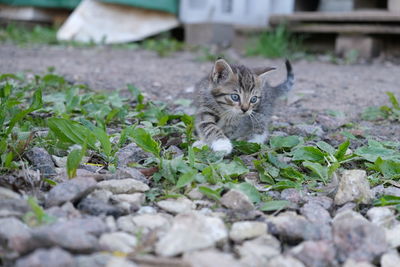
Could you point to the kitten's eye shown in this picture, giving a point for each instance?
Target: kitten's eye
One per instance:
(253, 99)
(235, 97)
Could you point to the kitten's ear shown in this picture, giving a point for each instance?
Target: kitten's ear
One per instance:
(261, 72)
(221, 72)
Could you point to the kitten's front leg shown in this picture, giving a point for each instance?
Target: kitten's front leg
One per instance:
(259, 138)
(210, 133)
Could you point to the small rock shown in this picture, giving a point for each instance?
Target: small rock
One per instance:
(315, 253)
(111, 223)
(293, 228)
(97, 207)
(353, 263)
(306, 130)
(146, 210)
(323, 201)
(131, 154)
(101, 194)
(15, 235)
(315, 213)
(42, 161)
(101, 259)
(357, 238)
(118, 241)
(390, 259)
(247, 230)
(329, 122)
(353, 186)
(136, 199)
(127, 172)
(284, 261)
(210, 258)
(123, 186)
(47, 258)
(393, 236)
(72, 190)
(6, 193)
(152, 221)
(13, 207)
(381, 216)
(236, 200)
(190, 232)
(392, 191)
(259, 251)
(292, 195)
(125, 223)
(66, 211)
(378, 191)
(195, 194)
(176, 206)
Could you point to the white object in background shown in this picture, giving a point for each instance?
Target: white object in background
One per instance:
(98, 22)
(282, 6)
(238, 12)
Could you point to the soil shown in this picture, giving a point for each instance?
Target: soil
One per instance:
(320, 85)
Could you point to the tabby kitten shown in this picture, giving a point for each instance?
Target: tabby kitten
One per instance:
(235, 103)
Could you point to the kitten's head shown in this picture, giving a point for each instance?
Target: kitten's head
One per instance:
(237, 88)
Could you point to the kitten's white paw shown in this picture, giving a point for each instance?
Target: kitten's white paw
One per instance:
(222, 145)
(259, 138)
(199, 144)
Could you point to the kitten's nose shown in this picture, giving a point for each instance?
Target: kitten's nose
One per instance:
(244, 109)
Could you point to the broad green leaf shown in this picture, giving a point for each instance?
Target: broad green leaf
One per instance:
(387, 200)
(263, 172)
(308, 153)
(278, 142)
(247, 189)
(286, 184)
(342, 149)
(232, 169)
(373, 114)
(104, 139)
(186, 179)
(274, 205)
(326, 147)
(393, 100)
(73, 161)
(292, 173)
(389, 168)
(372, 153)
(210, 193)
(143, 139)
(246, 148)
(318, 169)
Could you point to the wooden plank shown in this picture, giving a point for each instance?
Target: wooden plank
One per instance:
(24, 13)
(345, 28)
(355, 16)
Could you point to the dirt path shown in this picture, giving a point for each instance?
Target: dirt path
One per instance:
(319, 85)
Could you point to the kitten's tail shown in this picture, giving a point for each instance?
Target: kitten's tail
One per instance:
(287, 85)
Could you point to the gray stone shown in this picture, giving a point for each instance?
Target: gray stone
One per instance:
(47, 258)
(293, 228)
(136, 199)
(174, 151)
(127, 172)
(149, 222)
(42, 161)
(353, 186)
(236, 200)
(284, 261)
(210, 258)
(111, 223)
(13, 207)
(323, 201)
(357, 238)
(76, 235)
(381, 216)
(195, 194)
(118, 241)
(390, 259)
(315, 253)
(71, 190)
(6, 193)
(259, 251)
(101, 194)
(315, 213)
(102, 259)
(176, 206)
(190, 232)
(247, 230)
(391, 190)
(123, 186)
(97, 207)
(393, 236)
(292, 195)
(15, 235)
(306, 130)
(354, 263)
(66, 211)
(146, 210)
(131, 154)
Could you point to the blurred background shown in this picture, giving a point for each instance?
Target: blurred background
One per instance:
(348, 30)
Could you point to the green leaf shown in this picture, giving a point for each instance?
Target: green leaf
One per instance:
(318, 169)
(292, 173)
(234, 168)
(210, 193)
(278, 142)
(326, 147)
(73, 161)
(244, 147)
(263, 168)
(186, 179)
(342, 149)
(372, 152)
(104, 139)
(393, 100)
(387, 200)
(373, 114)
(36, 209)
(144, 140)
(249, 190)
(309, 153)
(389, 168)
(275, 205)
(286, 184)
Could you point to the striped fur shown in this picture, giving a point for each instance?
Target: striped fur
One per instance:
(220, 117)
